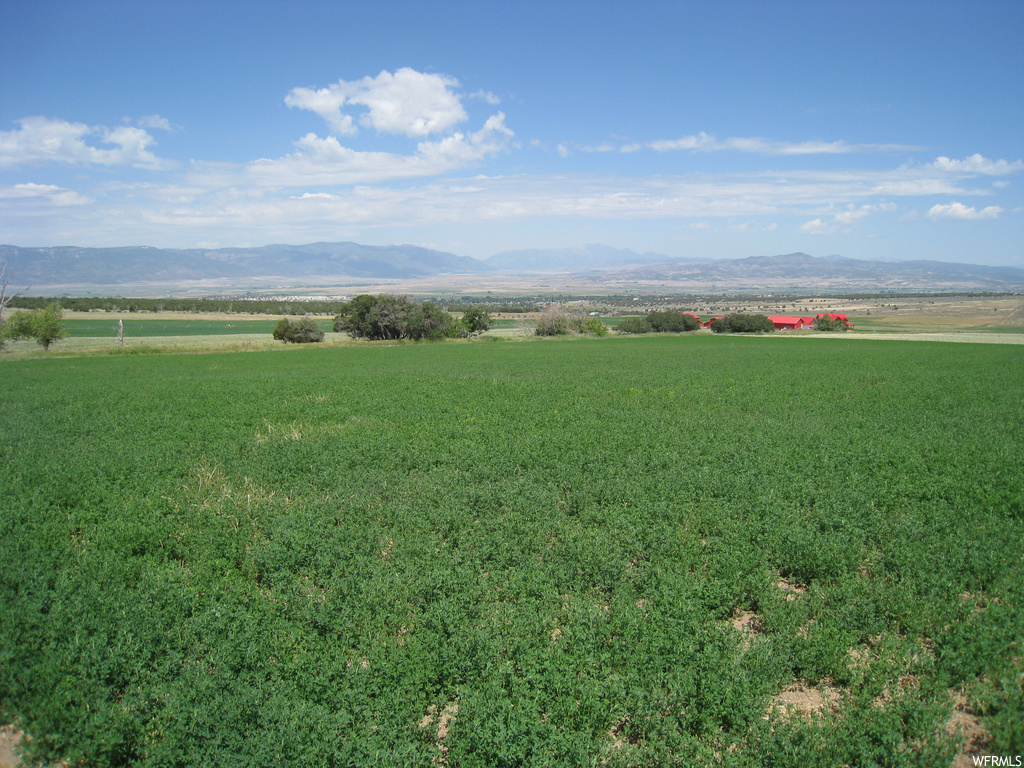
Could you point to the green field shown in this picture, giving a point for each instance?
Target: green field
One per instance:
(183, 326)
(674, 550)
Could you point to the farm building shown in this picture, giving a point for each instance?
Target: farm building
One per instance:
(783, 322)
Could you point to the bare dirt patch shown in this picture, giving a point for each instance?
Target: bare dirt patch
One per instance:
(805, 701)
(10, 738)
(748, 624)
(746, 621)
(964, 724)
(791, 589)
(443, 718)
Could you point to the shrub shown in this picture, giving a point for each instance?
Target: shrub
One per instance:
(301, 331)
(390, 316)
(739, 323)
(559, 321)
(634, 325)
(826, 323)
(672, 322)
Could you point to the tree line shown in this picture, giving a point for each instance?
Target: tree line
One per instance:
(248, 306)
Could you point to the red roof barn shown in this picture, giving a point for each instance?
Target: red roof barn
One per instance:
(782, 322)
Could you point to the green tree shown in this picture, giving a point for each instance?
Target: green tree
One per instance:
(740, 323)
(45, 325)
(634, 325)
(826, 323)
(428, 321)
(302, 331)
(476, 320)
(391, 316)
(672, 322)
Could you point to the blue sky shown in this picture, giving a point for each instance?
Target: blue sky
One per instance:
(890, 130)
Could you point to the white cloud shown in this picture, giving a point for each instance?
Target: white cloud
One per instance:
(487, 96)
(700, 141)
(853, 215)
(155, 121)
(750, 227)
(704, 142)
(817, 227)
(915, 186)
(47, 192)
(326, 102)
(976, 164)
(406, 102)
(845, 220)
(960, 212)
(324, 161)
(41, 140)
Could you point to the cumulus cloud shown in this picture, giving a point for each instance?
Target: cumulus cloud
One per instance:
(325, 161)
(853, 215)
(817, 227)
(405, 102)
(960, 212)
(977, 164)
(844, 220)
(41, 140)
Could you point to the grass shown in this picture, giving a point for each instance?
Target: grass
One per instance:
(691, 550)
(182, 325)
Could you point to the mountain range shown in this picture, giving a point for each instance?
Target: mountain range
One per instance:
(70, 267)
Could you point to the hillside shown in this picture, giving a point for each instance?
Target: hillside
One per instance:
(798, 270)
(410, 268)
(69, 265)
